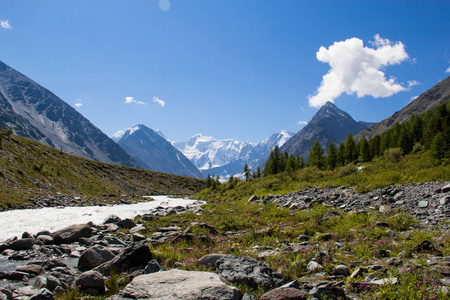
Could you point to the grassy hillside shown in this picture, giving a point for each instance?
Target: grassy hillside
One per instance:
(382, 171)
(28, 169)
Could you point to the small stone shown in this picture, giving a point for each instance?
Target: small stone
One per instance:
(445, 200)
(394, 261)
(285, 294)
(358, 272)
(423, 204)
(446, 189)
(341, 270)
(313, 266)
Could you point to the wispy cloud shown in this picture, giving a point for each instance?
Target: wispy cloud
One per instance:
(412, 83)
(129, 100)
(302, 123)
(5, 24)
(78, 103)
(164, 5)
(413, 98)
(159, 101)
(448, 70)
(356, 69)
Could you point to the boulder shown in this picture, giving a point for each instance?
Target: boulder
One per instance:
(93, 257)
(136, 255)
(325, 292)
(72, 234)
(341, 270)
(3, 296)
(22, 244)
(31, 269)
(44, 240)
(91, 282)
(127, 224)
(112, 219)
(247, 270)
(179, 285)
(285, 294)
(152, 267)
(42, 294)
(209, 260)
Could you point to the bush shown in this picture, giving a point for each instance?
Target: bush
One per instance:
(393, 154)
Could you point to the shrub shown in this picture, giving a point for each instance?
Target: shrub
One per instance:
(393, 154)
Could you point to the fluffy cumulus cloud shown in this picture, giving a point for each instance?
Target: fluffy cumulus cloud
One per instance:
(159, 101)
(129, 100)
(5, 24)
(164, 5)
(302, 123)
(358, 69)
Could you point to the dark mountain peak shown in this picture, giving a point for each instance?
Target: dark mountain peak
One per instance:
(154, 152)
(329, 124)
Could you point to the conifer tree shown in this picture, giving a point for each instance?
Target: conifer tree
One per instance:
(332, 157)
(364, 149)
(246, 171)
(316, 157)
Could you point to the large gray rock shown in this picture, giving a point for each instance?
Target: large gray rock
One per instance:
(179, 285)
(31, 269)
(93, 257)
(42, 294)
(91, 282)
(72, 234)
(285, 294)
(22, 244)
(247, 270)
(209, 260)
(136, 255)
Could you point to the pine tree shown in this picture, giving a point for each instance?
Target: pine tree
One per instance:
(364, 149)
(350, 149)
(246, 171)
(332, 157)
(316, 157)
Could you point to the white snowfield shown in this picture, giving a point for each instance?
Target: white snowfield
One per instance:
(15, 222)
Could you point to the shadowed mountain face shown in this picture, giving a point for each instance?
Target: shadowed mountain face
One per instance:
(34, 112)
(435, 96)
(155, 153)
(329, 124)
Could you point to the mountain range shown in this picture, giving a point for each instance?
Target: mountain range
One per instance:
(329, 124)
(34, 112)
(227, 157)
(153, 152)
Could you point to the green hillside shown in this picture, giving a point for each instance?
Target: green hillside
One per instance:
(29, 169)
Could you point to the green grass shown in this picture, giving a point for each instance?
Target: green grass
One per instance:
(28, 169)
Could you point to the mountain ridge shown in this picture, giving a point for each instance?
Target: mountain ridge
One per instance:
(153, 152)
(329, 124)
(34, 112)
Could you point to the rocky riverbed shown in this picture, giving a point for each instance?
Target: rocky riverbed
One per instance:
(127, 247)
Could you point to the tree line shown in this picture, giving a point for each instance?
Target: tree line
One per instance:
(429, 131)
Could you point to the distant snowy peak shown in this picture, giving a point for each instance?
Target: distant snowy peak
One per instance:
(119, 134)
(278, 139)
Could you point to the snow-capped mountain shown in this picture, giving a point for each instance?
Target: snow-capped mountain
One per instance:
(36, 113)
(155, 153)
(227, 157)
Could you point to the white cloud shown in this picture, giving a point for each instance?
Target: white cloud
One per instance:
(412, 83)
(413, 98)
(78, 104)
(448, 70)
(302, 123)
(129, 100)
(164, 5)
(159, 101)
(356, 69)
(5, 24)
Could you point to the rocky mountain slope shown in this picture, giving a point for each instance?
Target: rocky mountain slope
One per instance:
(438, 94)
(155, 153)
(329, 124)
(227, 157)
(34, 112)
(29, 169)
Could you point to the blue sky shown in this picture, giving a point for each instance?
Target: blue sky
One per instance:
(240, 69)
